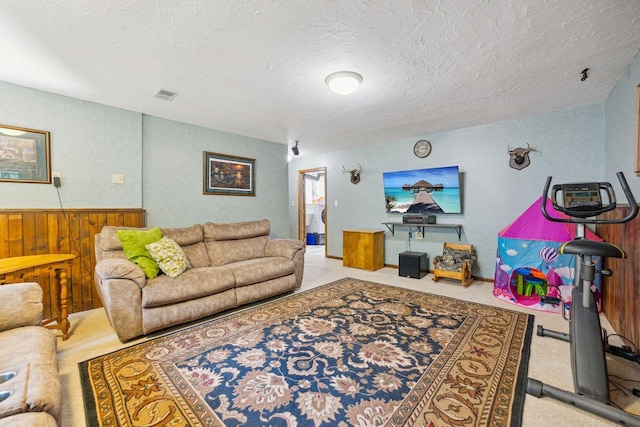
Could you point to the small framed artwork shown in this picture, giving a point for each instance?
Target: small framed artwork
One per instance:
(24, 155)
(228, 175)
(637, 153)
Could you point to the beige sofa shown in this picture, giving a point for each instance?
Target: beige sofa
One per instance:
(232, 264)
(30, 393)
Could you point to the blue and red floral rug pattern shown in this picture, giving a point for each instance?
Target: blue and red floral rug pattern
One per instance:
(351, 353)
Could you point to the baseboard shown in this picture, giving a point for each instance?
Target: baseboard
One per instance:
(478, 279)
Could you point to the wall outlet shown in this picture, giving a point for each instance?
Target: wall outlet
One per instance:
(56, 174)
(117, 178)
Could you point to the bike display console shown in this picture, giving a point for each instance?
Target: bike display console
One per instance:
(584, 199)
(582, 196)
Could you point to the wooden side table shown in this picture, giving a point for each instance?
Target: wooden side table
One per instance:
(363, 249)
(25, 268)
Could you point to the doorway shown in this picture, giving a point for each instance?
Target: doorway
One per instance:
(312, 215)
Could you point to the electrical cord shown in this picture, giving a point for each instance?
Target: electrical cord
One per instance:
(624, 351)
(73, 242)
(622, 388)
(408, 246)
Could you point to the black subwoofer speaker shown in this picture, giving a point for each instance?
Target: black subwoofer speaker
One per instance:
(413, 264)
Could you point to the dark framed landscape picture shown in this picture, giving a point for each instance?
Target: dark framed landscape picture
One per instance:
(24, 155)
(228, 175)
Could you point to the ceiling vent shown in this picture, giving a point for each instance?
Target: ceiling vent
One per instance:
(167, 95)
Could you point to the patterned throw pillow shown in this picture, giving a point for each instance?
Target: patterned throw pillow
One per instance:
(169, 256)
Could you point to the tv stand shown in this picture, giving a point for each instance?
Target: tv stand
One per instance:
(421, 226)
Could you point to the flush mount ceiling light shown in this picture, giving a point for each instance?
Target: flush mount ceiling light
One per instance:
(343, 82)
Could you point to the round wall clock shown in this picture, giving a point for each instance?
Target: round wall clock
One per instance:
(422, 148)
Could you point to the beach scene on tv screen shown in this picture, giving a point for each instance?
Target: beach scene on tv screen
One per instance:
(422, 191)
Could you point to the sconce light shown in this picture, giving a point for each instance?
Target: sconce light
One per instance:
(295, 149)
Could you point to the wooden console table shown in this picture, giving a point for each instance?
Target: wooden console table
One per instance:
(26, 268)
(392, 227)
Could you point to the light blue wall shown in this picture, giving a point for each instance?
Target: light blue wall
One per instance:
(161, 161)
(620, 119)
(569, 145)
(89, 142)
(162, 164)
(173, 163)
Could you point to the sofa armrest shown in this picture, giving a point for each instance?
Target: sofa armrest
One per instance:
(21, 305)
(287, 248)
(118, 268)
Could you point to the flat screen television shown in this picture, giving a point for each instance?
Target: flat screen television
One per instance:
(423, 191)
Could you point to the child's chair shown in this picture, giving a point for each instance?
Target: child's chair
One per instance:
(455, 262)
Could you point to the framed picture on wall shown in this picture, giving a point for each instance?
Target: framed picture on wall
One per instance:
(637, 156)
(228, 175)
(24, 155)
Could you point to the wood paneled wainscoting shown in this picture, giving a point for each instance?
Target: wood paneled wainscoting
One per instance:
(54, 231)
(621, 291)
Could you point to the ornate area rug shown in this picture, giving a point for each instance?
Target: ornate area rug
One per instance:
(348, 353)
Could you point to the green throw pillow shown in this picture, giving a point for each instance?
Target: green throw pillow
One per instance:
(134, 244)
(169, 256)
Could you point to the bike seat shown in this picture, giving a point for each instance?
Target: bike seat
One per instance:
(589, 247)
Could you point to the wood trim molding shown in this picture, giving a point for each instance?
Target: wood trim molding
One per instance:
(55, 231)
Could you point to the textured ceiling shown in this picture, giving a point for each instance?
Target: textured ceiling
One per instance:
(257, 67)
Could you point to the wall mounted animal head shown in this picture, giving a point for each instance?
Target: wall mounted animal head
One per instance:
(519, 157)
(355, 174)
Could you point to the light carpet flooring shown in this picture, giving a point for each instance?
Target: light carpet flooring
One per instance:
(91, 336)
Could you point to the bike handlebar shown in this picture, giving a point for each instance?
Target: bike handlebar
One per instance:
(625, 188)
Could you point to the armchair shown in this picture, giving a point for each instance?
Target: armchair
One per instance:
(30, 392)
(455, 262)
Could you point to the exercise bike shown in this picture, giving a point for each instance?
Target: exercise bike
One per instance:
(583, 202)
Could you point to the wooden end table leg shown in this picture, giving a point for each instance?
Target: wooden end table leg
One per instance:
(62, 295)
(63, 319)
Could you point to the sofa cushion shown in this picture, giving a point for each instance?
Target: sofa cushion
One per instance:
(287, 248)
(192, 284)
(236, 230)
(26, 296)
(259, 270)
(31, 419)
(185, 236)
(260, 291)
(191, 239)
(169, 255)
(134, 244)
(33, 343)
(34, 388)
(197, 255)
(156, 318)
(117, 268)
(229, 251)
